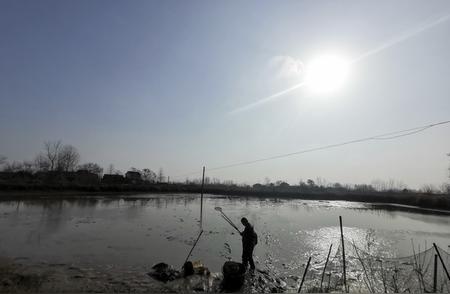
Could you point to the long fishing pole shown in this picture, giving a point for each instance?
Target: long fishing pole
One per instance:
(198, 238)
(227, 218)
(231, 223)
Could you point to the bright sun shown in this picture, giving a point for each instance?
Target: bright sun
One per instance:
(326, 73)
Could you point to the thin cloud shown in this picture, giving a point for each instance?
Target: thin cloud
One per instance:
(286, 67)
(266, 99)
(403, 37)
(289, 64)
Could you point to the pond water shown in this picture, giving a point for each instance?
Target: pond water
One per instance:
(146, 229)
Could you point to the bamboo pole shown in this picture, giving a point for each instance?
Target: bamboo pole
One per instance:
(201, 199)
(435, 274)
(343, 254)
(304, 275)
(324, 268)
(195, 244)
(442, 262)
(383, 276)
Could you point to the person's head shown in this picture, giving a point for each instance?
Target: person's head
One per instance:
(244, 221)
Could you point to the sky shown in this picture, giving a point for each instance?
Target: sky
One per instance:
(152, 84)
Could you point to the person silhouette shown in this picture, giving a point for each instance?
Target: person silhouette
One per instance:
(249, 241)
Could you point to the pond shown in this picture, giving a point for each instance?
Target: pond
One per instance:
(146, 229)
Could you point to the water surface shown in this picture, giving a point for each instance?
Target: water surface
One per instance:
(146, 229)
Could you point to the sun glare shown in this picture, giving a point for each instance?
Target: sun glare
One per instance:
(326, 73)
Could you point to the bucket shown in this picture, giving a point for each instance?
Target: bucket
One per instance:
(233, 275)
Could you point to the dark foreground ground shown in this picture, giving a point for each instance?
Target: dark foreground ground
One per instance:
(20, 276)
(17, 277)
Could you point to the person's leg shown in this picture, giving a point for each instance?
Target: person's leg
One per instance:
(252, 263)
(250, 259)
(245, 257)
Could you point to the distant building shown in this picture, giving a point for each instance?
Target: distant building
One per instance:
(133, 177)
(79, 178)
(20, 177)
(85, 177)
(113, 179)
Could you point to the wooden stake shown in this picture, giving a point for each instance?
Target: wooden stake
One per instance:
(201, 200)
(435, 274)
(329, 280)
(304, 275)
(442, 262)
(383, 276)
(324, 268)
(343, 254)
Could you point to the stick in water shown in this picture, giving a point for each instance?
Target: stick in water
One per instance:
(304, 275)
(343, 255)
(201, 232)
(442, 262)
(325, 267)
(201, 200)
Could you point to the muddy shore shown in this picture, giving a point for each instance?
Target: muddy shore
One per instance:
(18, 276)
(21, 276)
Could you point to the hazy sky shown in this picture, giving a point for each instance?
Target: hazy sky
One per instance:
(156, 84)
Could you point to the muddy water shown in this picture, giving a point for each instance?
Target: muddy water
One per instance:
(145, 229)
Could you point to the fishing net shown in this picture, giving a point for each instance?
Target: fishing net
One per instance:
(370, 271)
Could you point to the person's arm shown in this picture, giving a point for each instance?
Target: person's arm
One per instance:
(242, 233)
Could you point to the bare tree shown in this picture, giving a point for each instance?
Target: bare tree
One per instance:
(428, 189)
(41, 162)
(28, 166)
(321, 182)
(228, 183)
(160, 175)
(148, 175)
(445, 188)
(448, 154)
(379, 185)
(391, 185)
(51, 153)
(2, 159)
(68, 158)
(110, 169)
(13, 167)
(92, 168)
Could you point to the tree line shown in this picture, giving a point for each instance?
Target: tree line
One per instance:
(58, 157)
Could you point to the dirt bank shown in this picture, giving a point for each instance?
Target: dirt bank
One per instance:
(20, 276)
